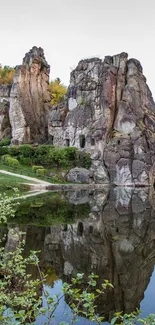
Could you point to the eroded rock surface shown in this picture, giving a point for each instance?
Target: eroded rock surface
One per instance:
(109, 113)
(30, 99)
(79, 175)
(5, 129)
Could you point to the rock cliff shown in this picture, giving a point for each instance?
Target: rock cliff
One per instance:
(30, 99)
(5, 129)
(110, 113)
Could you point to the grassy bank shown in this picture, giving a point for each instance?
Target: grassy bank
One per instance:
(45, 162)
(8, 182)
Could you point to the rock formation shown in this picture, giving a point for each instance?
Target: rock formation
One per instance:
(30, 99)
(109, 113)
(5, 129)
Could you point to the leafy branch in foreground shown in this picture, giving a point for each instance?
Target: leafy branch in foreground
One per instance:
(8, 205)
(21, 303)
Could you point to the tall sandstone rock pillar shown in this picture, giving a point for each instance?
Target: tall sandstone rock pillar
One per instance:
(30, 99)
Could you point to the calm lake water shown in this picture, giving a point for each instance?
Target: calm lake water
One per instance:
(108, 232)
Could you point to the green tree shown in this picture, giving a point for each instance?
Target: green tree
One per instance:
(6, 75)
(58, 91)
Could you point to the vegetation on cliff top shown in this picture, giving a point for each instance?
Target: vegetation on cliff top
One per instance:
(57, 88)
(6, 75)
(58, 91)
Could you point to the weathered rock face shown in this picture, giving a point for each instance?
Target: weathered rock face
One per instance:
(5, 129)
(79, 175)
(111, 115)
(30, 99)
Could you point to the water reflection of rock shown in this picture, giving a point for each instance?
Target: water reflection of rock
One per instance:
(117, 242)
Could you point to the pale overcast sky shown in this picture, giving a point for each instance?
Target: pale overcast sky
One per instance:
(69, 30)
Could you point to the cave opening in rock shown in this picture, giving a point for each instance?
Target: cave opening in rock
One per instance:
(92, 142)
(67, 142)
(82, 141)
(51, 138)
(80, 229)
(91, 229)
(65, 227)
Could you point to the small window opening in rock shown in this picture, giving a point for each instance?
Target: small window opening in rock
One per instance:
(82, 141)
(116, 229)
(118, 141)
(65, 228)
(92, 141)
(67, 143)
(80, 229)
(52, 140)
(90, 229)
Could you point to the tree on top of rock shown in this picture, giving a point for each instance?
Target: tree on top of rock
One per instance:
(58, 91)
(6, 75)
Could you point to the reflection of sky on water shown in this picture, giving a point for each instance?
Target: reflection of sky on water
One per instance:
(147, 305)
(63, 312)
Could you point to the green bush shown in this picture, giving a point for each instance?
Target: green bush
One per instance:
(41, 172)
(10, 161)
(48, 156)
(42, 150)
(25, 160)
(5, 142)
(57, 157)
(34, 168)
(54, 179)
(70, 153)
(3, 151)
(4, 158)
(14, 151)
(27, 150)
(83, 159)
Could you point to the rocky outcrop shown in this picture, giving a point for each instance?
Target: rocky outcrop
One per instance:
(79, 175)
(5, 129)
(30, 99)
(110, 113)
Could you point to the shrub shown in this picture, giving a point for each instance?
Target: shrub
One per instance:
(57, 157)
(4, 158)
(27, 150)
(5, 142)
(83, 159)
(3, 151)
(34, 168)
(41, 172)
(10, 161)
(71, 153)
(14, 151)
(54, 178)
(41, 155)
(25, 160)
